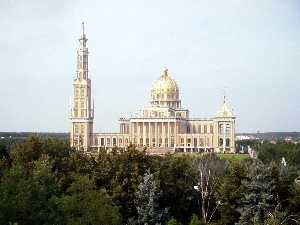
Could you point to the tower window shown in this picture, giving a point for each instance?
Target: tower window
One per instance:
(76, 128)
(227, 142)
(221, 142)
(227, 129)
(221, 129)
(76, 92)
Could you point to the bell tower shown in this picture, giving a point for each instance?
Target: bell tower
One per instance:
(82, 112)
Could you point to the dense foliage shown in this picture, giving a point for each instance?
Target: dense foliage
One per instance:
(45, 181)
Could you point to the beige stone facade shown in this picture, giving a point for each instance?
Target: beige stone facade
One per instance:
(163, 126)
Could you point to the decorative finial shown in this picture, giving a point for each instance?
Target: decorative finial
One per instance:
(83, 26)
(224, 97)
(165, 71)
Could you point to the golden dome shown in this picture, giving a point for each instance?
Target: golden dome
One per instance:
(224, 111)
(164, 84)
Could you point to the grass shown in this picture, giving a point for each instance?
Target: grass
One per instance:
(221, 156)
(233, 156)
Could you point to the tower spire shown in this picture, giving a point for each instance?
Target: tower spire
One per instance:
(83, 27)
(224, 97)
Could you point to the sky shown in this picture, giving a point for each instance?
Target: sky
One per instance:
(251, 49)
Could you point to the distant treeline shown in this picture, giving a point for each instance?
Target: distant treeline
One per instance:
(27, 134)
(273, 135)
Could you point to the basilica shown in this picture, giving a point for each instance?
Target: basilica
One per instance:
(163, 126)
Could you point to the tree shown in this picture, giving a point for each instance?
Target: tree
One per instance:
(257, 200)
(209, 169)
(195, 220)
(173, 221)
(26, 198)
(177, 178)
(84, 205)
(230, 191)
(120, 172)
(146, 201)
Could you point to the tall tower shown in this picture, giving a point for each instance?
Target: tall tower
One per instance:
(82, 113)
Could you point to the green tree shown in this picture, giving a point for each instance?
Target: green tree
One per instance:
(173, 221)
(230, 191)
(177, 178)
(82, 204)
(120, 172)
(26, 199)
(27, 153)
(196, 221)
(258, 198)
(146, 201)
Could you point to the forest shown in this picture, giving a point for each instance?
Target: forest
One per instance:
(45, 181)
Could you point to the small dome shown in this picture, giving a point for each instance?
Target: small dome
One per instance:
(164, 84)
(224, 111)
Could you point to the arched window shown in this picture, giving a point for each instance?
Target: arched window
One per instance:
(205, 129)
(182, 140)
(211, 129)
(96, 141)
(76, 92)
(141, 141)
(201, 142)
(82, 104)
(221, 129)
(76, 104)
(189, 141)
(227, 129)
(227, 142)
(221, 142)
(82, 128)
(199, 129)
(82, 92)
(76, 128)
(126, 141)
(120, 141)
(188, 129)
(194, 129)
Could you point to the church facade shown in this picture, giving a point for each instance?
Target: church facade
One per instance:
(163, 126)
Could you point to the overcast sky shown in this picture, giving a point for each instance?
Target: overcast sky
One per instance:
(250, 47)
